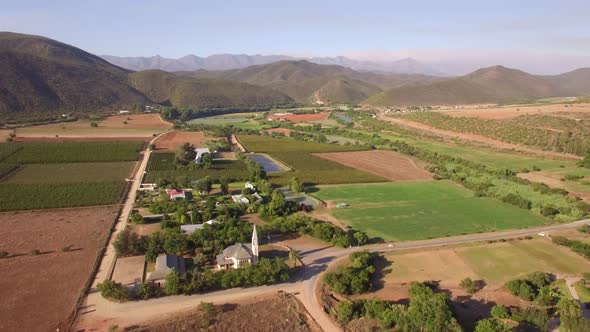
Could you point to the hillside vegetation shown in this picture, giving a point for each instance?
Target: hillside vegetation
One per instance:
(309, 82)
(171, 89)
(488, 85)
(41, 76)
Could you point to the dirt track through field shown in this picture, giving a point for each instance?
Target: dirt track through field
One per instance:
(475, 138)
(388, 164)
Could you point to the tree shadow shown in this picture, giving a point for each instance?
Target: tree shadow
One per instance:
(469, 310)
(382, 268)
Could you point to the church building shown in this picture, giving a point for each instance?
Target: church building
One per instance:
(239, 254)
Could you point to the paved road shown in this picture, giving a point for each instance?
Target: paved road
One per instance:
(101, 313)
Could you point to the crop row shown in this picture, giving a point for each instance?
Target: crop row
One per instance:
(58, 195)
(513, 131)
(71, 152)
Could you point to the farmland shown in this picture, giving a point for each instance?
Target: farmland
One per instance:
(421, 210)
(495, 263)
(308, 168)
(140, 126)
(39, 291)
(71, 172)
(170, 141)
(161, 166)
(516, 131)
(15, 196)
(71, 152)
(56, 175)
(238, 120)
(388, 164)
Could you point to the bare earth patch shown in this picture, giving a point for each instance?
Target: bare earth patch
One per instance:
(175, 138)
(388, 164)
(284, 131)
(271, 313)
(117, 126)
(39, 291)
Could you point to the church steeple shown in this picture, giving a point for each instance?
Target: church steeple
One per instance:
(254, 245)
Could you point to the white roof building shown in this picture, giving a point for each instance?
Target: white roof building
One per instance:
(191, 228)
(240, 199)
(200, 152)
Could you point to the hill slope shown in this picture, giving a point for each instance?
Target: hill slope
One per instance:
(171, 89)
(488, 85)
(310, 82)
(41, 76)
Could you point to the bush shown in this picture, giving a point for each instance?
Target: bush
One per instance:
(468, 285)
(356, 277)
(3, 254)
(345, 311)
(113, 291)
(35, 252)
(549, 211)
(491, 325)
(517, 200)
(499, 311)
(149, 290)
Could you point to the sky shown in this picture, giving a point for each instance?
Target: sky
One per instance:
(546, 36)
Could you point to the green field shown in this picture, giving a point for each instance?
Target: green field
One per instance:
(240, 120)
(501, 263)
(71, 152)
(161, 166)
(307, 167)
(15, 196)
(422, 210)
(72, 172)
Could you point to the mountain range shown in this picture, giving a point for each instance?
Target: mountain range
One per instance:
(237, 61)
(42, 77)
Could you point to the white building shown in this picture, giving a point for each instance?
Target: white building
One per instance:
(200, 152)
(239, 254)
(191, 228)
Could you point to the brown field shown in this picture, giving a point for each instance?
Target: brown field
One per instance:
(284, 131)
(301, 117)
(270, 313)
(138, 125)
(175, 138)
(508, 112)
(388, 164)
(39, 292)
(4, 134)
(80, 139)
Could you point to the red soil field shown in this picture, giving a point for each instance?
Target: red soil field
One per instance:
(40, 291)
(388, 164)
(300, 117)
(173, 139)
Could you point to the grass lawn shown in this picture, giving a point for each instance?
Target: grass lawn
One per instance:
(583, 292)
(423, 210)
(500, 263)
(308, 168)
(72, 172)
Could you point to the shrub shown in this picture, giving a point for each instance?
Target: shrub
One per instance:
(468, 285)
(499, 311)
(517, 200)
(491, 325)
(345, 311)
(356, 277)
(548, 211)
(3, 254)
(148, 290)
(35, 252)
(113, 291)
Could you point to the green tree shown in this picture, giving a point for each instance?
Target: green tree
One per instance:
(345, 311)
(491, 325)
(361, 238)
(294, 256)
(224, 185)
(468, 285)
(204, 185)
(113, 291)
(172, 285)
(208, 314)
(295, 185)
(499, 311)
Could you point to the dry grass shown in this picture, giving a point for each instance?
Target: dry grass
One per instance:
(509, 112)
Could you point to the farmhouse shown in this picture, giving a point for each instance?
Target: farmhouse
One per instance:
(240, 199)
(190, 229)
(176, 194)
(165, 264)
(239, 254)
(200, 152)
(249, 185)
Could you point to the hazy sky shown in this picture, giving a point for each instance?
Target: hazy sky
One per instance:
(558, 29)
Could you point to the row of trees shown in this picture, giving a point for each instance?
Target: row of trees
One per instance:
(535, 286)
(576, 246)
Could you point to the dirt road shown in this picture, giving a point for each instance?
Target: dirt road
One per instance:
(475, 138)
